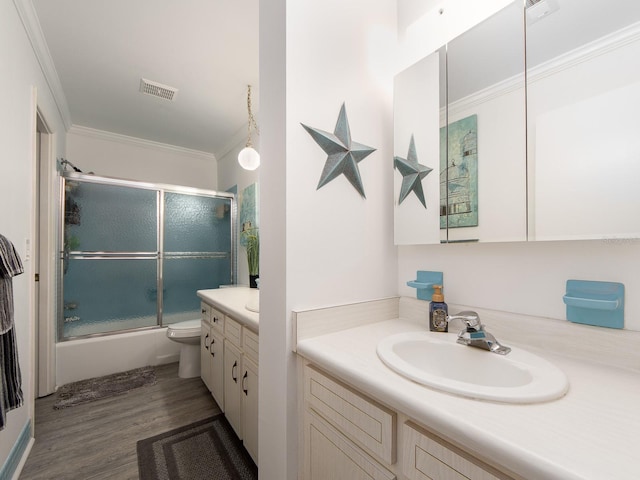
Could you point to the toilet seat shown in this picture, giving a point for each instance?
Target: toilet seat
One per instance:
(190, 328)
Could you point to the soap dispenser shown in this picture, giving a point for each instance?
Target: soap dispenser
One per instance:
(438, 311)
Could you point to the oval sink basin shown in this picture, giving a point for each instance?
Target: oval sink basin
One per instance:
(437, 361)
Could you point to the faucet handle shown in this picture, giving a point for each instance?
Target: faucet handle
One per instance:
(470, 319)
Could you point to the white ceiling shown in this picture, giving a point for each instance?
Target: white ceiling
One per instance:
(207, 49)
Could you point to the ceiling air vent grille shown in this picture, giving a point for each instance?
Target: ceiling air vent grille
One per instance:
(531, 3)
(157, 89)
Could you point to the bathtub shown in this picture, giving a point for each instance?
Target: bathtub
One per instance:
(102, 355)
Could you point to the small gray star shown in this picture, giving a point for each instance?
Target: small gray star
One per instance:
(344, 154)
(412, 174)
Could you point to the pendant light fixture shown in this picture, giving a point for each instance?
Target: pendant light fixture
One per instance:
(248, 158)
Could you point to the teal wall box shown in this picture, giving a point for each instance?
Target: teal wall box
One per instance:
(595, 303)
(424, 284)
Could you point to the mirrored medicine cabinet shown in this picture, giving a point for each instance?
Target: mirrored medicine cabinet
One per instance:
(526, 126)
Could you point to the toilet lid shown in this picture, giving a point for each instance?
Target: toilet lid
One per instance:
(190, 327)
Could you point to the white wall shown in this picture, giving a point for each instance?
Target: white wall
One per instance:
(20, 81)
(521, 277)
(229, 174)
(328, 245)
(112, 155)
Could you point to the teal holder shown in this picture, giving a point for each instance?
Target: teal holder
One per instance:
(595, 303)
(424, 283)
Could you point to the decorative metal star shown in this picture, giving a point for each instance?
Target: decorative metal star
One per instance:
(412, 174)
(344, 154)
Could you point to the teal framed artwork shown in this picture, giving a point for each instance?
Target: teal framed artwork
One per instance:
(459, 174)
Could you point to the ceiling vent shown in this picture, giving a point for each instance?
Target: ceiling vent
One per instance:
(531, 3)
(157, 89)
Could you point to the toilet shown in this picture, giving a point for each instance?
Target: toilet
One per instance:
(187, 334)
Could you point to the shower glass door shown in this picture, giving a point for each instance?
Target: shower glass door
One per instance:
(135, 254)
(196, 241)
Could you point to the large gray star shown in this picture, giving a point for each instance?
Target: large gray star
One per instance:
(412, 174)
(344, 154)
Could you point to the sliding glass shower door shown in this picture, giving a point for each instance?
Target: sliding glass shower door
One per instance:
(134, 254)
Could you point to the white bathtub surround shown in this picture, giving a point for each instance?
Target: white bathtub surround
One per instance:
(98, 356)
(591, 433)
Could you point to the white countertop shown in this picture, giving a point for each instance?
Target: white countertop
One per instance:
(232, 301)
(591, 433)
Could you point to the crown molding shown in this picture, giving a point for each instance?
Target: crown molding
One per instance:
(31, 25)
(140, 142)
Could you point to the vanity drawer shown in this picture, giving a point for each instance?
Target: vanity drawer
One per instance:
(366, 423)
(233, 331)
(426, 457)
(217, 320)
(250, 344)
(205, 310)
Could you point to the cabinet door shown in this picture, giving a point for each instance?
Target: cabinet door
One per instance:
(216, 365)
(331, 456)
(427, 457)
(205, 342)
(232, 385)
(250, 407)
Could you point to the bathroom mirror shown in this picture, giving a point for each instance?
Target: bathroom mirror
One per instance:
(483, 178)
(583, 86)
(419, 97)
(478, 183)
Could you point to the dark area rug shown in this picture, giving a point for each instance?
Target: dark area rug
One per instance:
(85, 391)
(205, 450)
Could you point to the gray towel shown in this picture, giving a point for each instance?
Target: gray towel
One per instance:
(10, 266)
(10, 378)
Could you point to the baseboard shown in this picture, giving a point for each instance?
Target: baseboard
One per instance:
(18, 454)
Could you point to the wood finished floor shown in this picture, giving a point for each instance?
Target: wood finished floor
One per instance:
(98, 440)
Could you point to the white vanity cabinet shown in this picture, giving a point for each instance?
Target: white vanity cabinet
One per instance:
(249, 387)
(348, 435)
(232, 385)
(216, 359)
(249, 405)
(211, 353)
(229, 358)
(205, 341)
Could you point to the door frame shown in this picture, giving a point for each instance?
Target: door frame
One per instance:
(45, 213)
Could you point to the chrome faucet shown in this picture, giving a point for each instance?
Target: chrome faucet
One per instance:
(474, 334)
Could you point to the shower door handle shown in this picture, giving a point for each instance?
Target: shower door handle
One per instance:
(233, 375)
